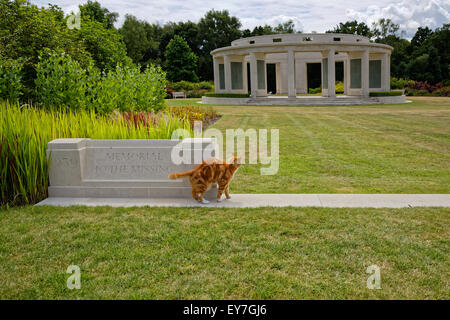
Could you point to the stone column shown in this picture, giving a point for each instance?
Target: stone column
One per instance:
(277, 72)
(216, 75)
(253, 75)
(291, 74)
(227, 69)
(331, 73)
(244, 75)
(386, 72)
(346, 74)
(365, 73)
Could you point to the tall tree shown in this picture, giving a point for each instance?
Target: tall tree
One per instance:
(440, 39)
(134, 35)
(434, 67)
(285, 27)
(420, 36)
(105, 45)
(26, 29)
(216, 29)
(94, 10)
(154, 53)
(181, 62)
(353, 27)
(384, 28)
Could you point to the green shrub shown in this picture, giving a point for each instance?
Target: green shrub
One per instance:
(205, 85)
(25, 133)
(399, 83)
(181, 62)
(443, 92)
(10, 80)
(196, 93)
(386, 93)
(315, 90)
(227, 95)
(60, 81)
(181, 86)
(128, 89)
(339, 87)
(189, 86)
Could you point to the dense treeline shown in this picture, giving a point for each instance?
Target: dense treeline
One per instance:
(147, 43)
(45, 61)
(425, 58)
(26, 29)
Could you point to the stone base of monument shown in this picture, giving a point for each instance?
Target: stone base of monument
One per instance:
(85, 168)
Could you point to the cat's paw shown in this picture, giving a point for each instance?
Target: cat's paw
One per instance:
(219, 200)
(204, 201)
(229, 197)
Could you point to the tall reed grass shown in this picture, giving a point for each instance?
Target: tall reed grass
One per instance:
(26, 131)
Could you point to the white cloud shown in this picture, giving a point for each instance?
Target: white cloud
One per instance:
(308, 15)
(409, 14)
(250, 23)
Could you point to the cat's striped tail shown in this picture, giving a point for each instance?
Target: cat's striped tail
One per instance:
(183, 174)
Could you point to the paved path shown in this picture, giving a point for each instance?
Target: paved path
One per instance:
(273, 200)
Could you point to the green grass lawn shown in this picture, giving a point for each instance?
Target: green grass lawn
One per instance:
(200, 253)
(349, 149)
(263, 253)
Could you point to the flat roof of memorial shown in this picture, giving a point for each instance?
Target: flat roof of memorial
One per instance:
(301, 42)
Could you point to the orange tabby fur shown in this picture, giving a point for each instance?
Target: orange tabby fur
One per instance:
(208, 172)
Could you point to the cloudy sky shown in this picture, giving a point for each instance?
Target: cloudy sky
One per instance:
(308, 15)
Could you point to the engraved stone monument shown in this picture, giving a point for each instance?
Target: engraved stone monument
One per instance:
(85, 168)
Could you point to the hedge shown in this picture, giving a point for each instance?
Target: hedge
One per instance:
(386, 93)
(227, 95)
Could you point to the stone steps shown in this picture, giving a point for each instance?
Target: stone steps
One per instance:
(314, 101)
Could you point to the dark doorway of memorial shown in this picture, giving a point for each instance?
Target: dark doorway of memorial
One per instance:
(271, 78)
(314, 75)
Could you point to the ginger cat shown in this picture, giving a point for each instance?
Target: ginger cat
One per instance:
(208, 172)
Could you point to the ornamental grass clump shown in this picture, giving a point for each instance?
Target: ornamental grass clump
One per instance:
(207, 115)
(25, 132)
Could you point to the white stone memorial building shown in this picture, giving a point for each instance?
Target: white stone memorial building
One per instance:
(244, 66)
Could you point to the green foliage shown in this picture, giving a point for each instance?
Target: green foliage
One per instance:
(189, 31)
(95, 12)
(385, 93)
(26, 29)
(426, 67)
(384, 28)
(134, 34)
(187, 86)
(424, 89)
(216, 29)
(128, 89)
(227, 95)
(10, 80)
(315, 90)
(442, 92)
(420, 37)
(285, 27)
(105, 45)
(425, 58)
(339, 87)
(60, 82)
(25, 133)
(181, 62)
(399, 83)
(353, 27)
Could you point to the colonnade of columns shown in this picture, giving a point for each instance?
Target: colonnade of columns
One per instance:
(356, 65)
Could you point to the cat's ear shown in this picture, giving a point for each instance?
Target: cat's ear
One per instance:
(235, 160)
